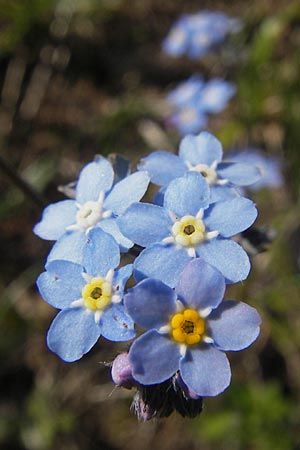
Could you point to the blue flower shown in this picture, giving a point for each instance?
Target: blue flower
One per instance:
(97, 204)
(189, 119)
(89, 296)
(189, 330)
(187, 92)
(215, 95)
(202, 154)
(269, 166)
(186, 227)
(195, 35)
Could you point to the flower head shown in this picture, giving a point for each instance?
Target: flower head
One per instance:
(89, 296)
(97, 204)
(188, 330)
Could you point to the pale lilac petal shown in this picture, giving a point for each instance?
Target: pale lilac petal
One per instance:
(234, 325)
(205, 370)
(154, 358)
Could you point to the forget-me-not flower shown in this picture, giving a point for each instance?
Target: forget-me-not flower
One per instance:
(89, 296)
(186, 227)
(195, 35)
(189, 330)
(202, 154)
(97, 204)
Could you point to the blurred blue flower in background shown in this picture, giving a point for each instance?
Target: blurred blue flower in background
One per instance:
(189, 330)
(195, 35)
(270, 167)
(193, 99)
(89, 296)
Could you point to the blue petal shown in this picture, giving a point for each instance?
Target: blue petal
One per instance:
(145, 223)
(163, 167)
(202, 149)
(116, 325)
(238, 173)
(154, 358)
(188, 120)
(56, 218)
(73, 333)
(234, 325)
(95, 177)
(121, 277)
(129, 190)
(110, 226)
(61, 284)
(150, 303)
(228, 257)
(220, 193)
(200, 285)
(230, 217)
(164, 262)
(100, 253)
(69, 247)
(205, 370)
(186, 195)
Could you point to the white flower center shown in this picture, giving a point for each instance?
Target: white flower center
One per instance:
(208, 172)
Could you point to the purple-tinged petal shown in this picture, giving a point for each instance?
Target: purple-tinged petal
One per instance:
(151, 303)
(200, 285)
(100, 253)
(233, 325)
(163, 262)
(228, 257)
(116, 325)
(69, 247)
(201, 149)
(111, 227)
(129, 190)
(163, 167)
(121, 372)
(154, 358)
(95, 177)
(186, 195)
(56, 218)
(145, 223)
(61, 284)
(239, 173)
(231, 216)
(73, 333)
(205, 370)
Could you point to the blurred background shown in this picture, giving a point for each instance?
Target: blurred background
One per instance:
(80, 77)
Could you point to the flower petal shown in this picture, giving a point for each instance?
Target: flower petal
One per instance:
(95, 177)
(164, 262)
(100, 253)
(121, 277)
(150, 303)
(56, 218)
(163, 167)
(116, 325)
(200, 285)
(69, 247)
(205, 370)
(154, 358)
(228, 257)
(129, 190)
(239, 173)
(110, 226)
(231, 216)
(186, 195)
(234, 325)
(220, 193)
(73, 333)
(201, 149)
(145, 223)
(61, 284)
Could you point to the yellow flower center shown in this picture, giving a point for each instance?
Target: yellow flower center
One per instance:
(97, 294)
(188, 231)
(187, 327)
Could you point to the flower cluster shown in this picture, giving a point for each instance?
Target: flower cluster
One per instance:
(185, 256)
(195, 35)
(193, 99)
